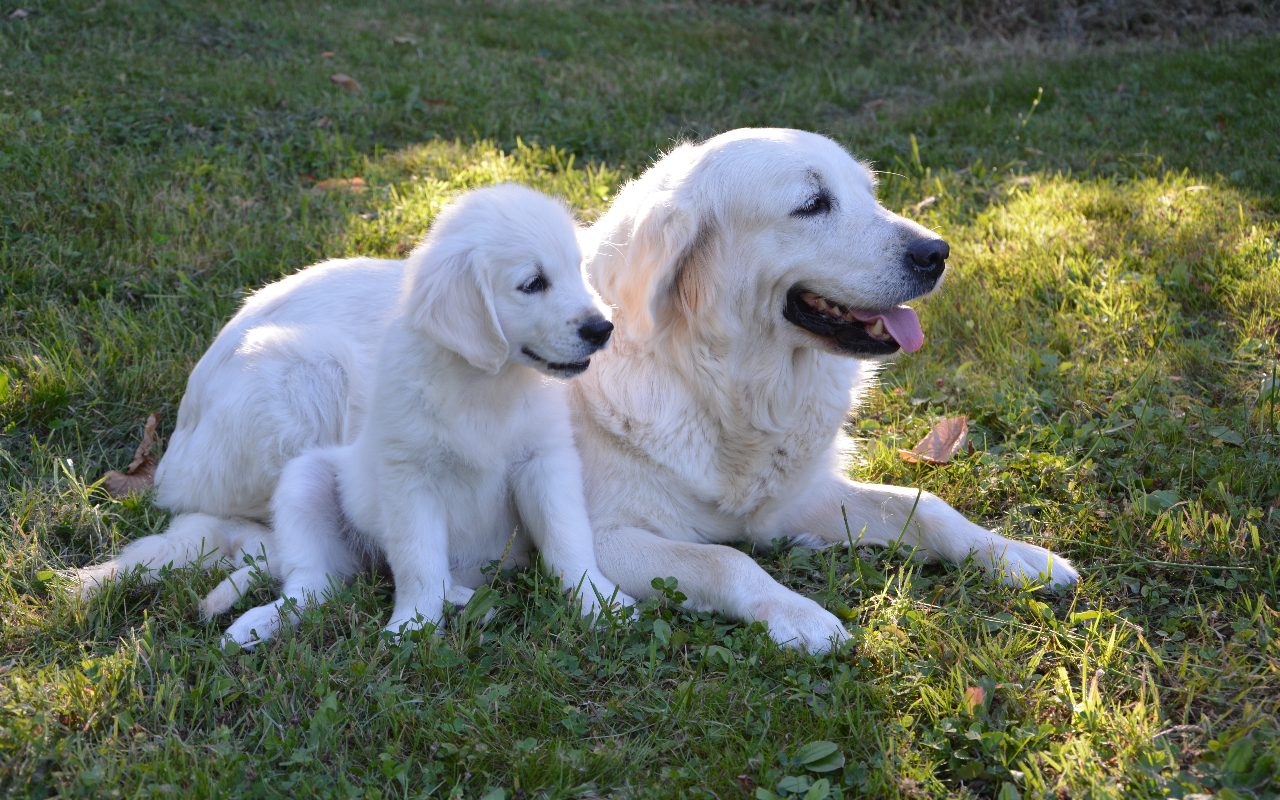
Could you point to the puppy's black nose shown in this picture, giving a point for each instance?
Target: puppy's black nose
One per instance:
(928, 257)
(596, 331)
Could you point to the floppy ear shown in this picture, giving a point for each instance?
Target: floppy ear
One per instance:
(449, 299)
(652, 269)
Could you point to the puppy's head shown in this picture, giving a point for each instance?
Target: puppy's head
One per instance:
(499, 279)
(766, 234)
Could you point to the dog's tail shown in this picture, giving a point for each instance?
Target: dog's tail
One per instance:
(200, 539)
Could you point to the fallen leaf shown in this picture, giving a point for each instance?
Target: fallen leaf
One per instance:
(323, 122)
(356, 185)
(20, 13)
(346, 82)
(404, 38)
(974, 697)
(327, 54)
(940, 444)
(140, 473)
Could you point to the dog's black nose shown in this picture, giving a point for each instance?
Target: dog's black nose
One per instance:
(596, 331)
(928, 257)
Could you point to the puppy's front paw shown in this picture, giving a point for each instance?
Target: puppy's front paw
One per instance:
(407, 620)
(458, 595)
(796, 621)
(255, 626)
(225, 594)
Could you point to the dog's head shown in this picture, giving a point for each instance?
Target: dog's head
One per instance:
(766, 232)
(499, 279)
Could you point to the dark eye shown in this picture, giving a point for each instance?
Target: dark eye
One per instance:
(820, 203)
(538, 283)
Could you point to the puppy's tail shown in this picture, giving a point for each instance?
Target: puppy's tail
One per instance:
(200, 539)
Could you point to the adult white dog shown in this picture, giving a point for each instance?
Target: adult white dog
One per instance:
(463, 436)
(756, 282)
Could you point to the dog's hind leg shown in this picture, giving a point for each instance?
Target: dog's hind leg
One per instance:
(190, 539)
(309, 551)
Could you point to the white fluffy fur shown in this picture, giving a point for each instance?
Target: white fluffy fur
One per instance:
(711, 419)
(464, 439)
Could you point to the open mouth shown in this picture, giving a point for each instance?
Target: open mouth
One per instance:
(854, 331)
(567, 369)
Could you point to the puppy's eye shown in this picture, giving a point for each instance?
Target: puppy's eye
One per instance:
(820, 203)
(538, 283)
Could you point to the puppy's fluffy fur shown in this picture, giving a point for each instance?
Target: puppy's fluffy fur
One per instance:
(750, 275)
(464, 437)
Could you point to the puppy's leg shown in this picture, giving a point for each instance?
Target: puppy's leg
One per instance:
(717, 578)
(458, 595)
(881, 515)
(549, 496)
(228, 592)
(416, 542)
(308, 550)
(190, 539)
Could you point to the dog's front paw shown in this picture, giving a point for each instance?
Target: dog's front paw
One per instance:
(1020, 563)
(796, 621)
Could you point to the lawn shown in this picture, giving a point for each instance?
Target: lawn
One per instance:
(1110, 185)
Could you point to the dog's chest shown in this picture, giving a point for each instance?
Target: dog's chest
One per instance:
(771, 435)
(756, 467)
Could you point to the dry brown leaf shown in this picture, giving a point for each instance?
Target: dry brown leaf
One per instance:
(940, 444)
(327, 54)
(405, 38)
(974, 697)
(140, 473)
(346, 82)
(341, 185)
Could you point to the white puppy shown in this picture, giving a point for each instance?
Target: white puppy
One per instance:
(464, 437)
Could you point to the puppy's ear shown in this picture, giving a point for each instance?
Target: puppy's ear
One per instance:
(447, 296)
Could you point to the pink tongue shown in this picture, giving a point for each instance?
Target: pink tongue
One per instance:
(901, 323)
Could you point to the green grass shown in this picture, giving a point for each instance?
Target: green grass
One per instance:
(1110, 330)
